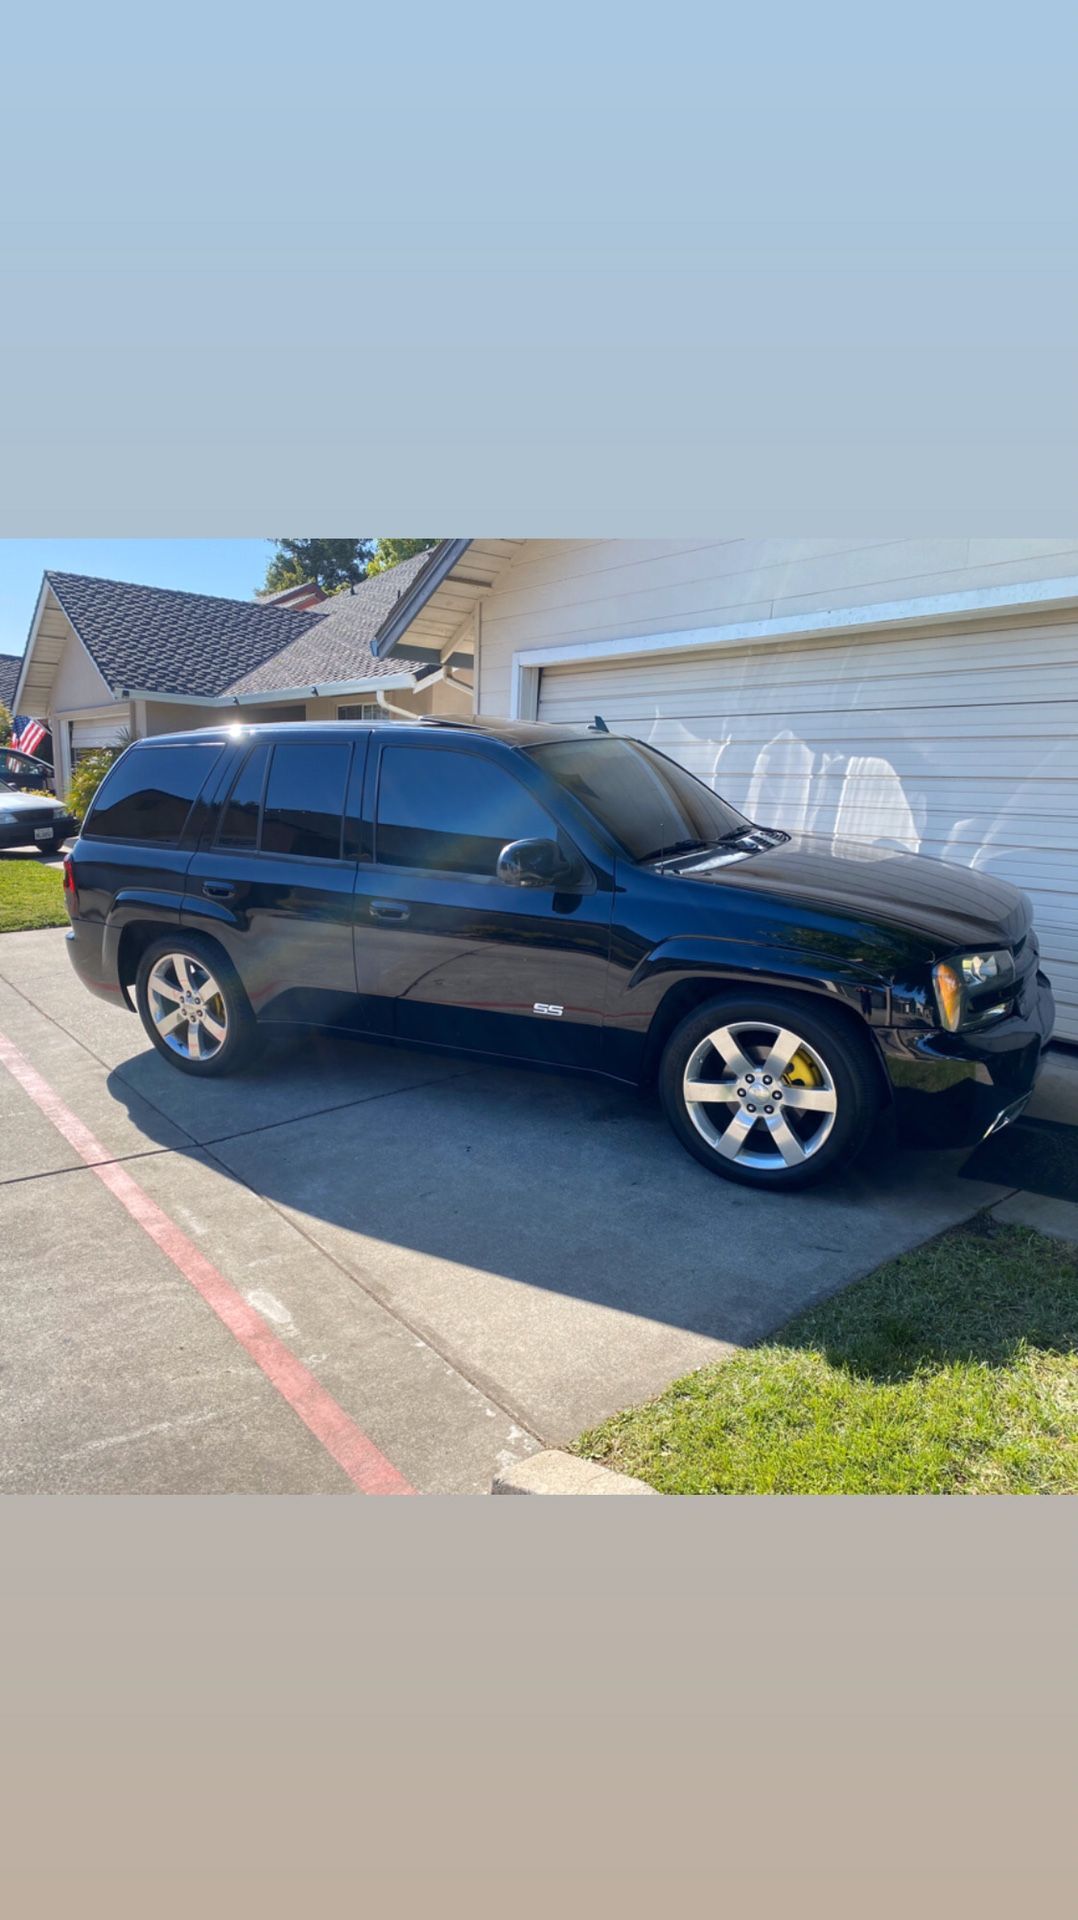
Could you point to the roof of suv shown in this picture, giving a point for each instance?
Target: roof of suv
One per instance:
(513, 733)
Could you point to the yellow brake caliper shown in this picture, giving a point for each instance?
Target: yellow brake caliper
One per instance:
(801, 1072)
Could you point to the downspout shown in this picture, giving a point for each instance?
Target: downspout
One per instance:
(403, 713)
(428, 680)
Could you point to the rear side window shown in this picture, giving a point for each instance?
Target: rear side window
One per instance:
(239, 816)
(304, 805)
(149, 792)
(451, 812)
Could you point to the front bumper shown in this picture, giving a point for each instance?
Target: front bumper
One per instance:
(953, 1089)
(23, 836)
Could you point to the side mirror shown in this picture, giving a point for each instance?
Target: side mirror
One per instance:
(535, 863)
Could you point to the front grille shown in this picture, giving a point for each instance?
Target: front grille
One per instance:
(34, 817)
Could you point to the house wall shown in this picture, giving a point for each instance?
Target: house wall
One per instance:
(78, 692)
(77, 682)
(437, 699)
(568, 591)
(165, 716)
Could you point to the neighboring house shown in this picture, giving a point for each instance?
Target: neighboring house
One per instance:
(908, 694)
(105, 659)
(307, 594)
(9, 676)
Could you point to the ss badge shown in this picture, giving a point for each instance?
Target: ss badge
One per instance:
(541, 1006)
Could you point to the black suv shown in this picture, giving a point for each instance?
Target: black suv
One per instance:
(560, 895)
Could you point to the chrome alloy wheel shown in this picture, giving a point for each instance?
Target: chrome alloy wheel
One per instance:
(187, 1006)
(760, 1094)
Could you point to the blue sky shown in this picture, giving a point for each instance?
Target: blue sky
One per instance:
(233, 568)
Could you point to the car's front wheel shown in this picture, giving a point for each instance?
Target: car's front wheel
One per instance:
(768, 1091)
(193, 1006)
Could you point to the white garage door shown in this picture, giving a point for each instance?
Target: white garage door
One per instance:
(961, 743)
(87, 734)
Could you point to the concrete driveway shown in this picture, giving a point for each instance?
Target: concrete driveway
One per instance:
(466, 1261)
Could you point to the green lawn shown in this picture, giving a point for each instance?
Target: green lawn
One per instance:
(31, 895)
(951, 1370)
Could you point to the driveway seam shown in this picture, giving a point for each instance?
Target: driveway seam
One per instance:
(113, 1160)
(319, 1113)
(315, 1113)
(418, 1328)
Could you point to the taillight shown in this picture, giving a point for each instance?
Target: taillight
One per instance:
(71, 892)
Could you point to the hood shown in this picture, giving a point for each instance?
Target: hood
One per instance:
(12, 801)
(952, 906)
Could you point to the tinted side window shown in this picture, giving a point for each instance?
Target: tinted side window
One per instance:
(147, 795)
(239, 816)
(451, 811)
(304, 804)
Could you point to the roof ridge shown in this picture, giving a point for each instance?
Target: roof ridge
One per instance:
(182, 593)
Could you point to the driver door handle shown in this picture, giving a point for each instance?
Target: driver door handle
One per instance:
(388, 910)
(219, 889)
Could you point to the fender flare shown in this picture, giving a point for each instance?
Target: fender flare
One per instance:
(163, 907)
(831, 976)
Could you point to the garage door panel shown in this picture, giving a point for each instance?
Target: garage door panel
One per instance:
(736, 760)
(959, 743)
(903, 693)
(1006, 659)
(1053, 723)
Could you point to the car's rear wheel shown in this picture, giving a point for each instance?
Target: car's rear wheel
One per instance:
(768, 1091)
(193, 1006)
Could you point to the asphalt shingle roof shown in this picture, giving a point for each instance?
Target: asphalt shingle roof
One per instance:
(169, 642)
(337, 644)
(198, 644)
(9, 673)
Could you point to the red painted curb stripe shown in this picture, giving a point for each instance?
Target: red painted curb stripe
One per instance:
(336, 1431)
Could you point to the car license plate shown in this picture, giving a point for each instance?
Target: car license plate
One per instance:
(42, 833)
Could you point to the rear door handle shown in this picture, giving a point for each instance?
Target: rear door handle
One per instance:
(219, 889)
(388, 910)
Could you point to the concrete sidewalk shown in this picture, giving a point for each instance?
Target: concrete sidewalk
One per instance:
(474, 1260)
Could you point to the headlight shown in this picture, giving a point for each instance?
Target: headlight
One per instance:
(7, 819)
(968, 987)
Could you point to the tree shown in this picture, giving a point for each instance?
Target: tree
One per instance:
(335, 564)
(5, 725)
(390, 553)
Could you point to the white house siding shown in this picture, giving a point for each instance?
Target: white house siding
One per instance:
(80, 700)
(77, 682)
(957, 741)
(579, 591)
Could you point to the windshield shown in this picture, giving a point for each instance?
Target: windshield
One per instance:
(652, 806)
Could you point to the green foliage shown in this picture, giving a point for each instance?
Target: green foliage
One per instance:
(88, 775)
(334, 564)
(390, 553)
(5, 725)
(951, 1370)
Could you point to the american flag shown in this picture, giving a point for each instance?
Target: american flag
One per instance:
(27, 734)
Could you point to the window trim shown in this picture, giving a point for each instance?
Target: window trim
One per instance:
(217, 845)
(86, 830)
(258, 852)
(453, 873)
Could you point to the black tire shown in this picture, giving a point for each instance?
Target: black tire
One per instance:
(240, 1026)
(56, 844)
(836, 1065)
